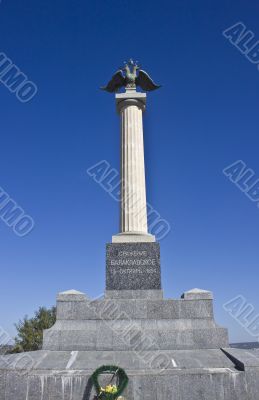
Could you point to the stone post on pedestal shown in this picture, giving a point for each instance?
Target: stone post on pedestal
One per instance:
(133, 257)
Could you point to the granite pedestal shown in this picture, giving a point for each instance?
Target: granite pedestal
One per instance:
(133, 266)
(152, 323)
(192, 375)
(171, 349)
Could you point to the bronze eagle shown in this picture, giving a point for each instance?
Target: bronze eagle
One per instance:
(130, 76)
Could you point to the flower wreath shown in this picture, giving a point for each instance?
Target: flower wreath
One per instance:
(111, 391)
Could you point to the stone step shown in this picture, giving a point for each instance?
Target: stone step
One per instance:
(167, 360)
(134, 309)
(184, 374)
(135, 334)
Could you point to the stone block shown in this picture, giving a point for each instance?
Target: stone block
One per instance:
(51, 339)
(104, 339)
(78, 340)
(51, 360)
(210, 338)
(66, 309)
(191, 339)
(155, 309)
(202, 385)
(147, 386)
(196, 308)
(243, 358)
(172, 309)
(135, 294)
(252, 379)
(112, 308)
(167, 387)
(235, 386)
(186, 375)
(141, 309)
(133, 238)
(35, 388)
(16, 385)
(71, 295)
(133, 266)
(129, 360)
(197, 294)
(2, 383)
(91, 360)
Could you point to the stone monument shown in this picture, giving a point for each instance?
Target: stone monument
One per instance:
(171, 349)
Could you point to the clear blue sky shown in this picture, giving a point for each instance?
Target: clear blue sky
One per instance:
(204, 118)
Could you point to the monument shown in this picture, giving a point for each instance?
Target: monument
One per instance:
(171, 349)
(133, 257)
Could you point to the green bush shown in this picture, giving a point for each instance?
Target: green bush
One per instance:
(30, 330)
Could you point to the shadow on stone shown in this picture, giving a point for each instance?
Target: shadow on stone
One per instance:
(88, 390)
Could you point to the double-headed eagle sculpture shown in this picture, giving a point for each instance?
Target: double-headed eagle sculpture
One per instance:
(130, 76)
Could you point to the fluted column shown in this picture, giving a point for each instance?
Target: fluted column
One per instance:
(133, 205)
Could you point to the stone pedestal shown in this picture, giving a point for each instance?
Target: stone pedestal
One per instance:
(192, 375)
(130, 323)
(133, 266)
(170, 349)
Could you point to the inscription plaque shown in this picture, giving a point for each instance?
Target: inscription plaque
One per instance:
(132, 266)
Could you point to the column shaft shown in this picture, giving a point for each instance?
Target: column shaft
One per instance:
(133, 216)
(133, 205)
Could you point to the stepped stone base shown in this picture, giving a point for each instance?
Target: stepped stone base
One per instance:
(190, 375)
(148, 323)
(170, 349)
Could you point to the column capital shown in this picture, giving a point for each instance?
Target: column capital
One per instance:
(130, 98)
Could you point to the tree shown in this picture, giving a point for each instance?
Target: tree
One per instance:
(30, 330)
